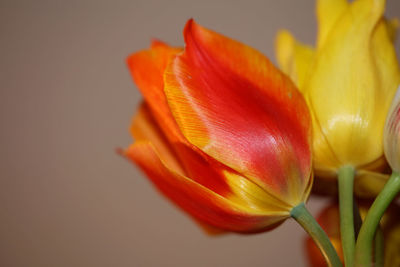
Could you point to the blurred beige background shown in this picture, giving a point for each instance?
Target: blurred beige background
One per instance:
(66, 101)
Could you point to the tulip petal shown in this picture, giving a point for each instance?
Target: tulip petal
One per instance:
(368, 184)
(234, 105)
(392, 134)
(202, 203)
(147, 68)
(328, 12)
(181, 158)
(144, 128)
(349, 92)
(200, 167)
(392, 26)
(392, 243)
(295, 59)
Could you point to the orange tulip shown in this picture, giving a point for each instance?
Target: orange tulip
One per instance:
(222, 133)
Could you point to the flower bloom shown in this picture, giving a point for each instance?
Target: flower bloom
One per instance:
(392, 134)
(222, 132)
(349, 80)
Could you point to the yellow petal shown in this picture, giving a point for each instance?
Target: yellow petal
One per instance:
(392, 244)
(368, 184)
(294, 58)
(392, 26)
(328, 12)
(354, 78)
(252, 196)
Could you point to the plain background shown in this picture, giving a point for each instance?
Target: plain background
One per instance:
(66, 102)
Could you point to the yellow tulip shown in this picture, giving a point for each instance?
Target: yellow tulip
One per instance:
(349, 80)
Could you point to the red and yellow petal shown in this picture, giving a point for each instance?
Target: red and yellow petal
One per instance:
(200, 202)
(147, 68)
(178, 155)
(145, 129)
(233, 104)
(201, 168)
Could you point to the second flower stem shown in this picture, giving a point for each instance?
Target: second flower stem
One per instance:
(371, 222)
(379, 248)
(346, 181)
(310, 225)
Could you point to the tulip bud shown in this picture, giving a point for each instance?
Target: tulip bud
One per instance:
(348, 81)
(223, 134)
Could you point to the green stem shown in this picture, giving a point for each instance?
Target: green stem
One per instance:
(357, 219)
(371, 222)
(379, 248)
(346, 181)
(310, 225)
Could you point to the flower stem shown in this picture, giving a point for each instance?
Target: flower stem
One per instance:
(371, 222)
(346, 181)
(310, 225)
(379, 248)
(357, 219)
